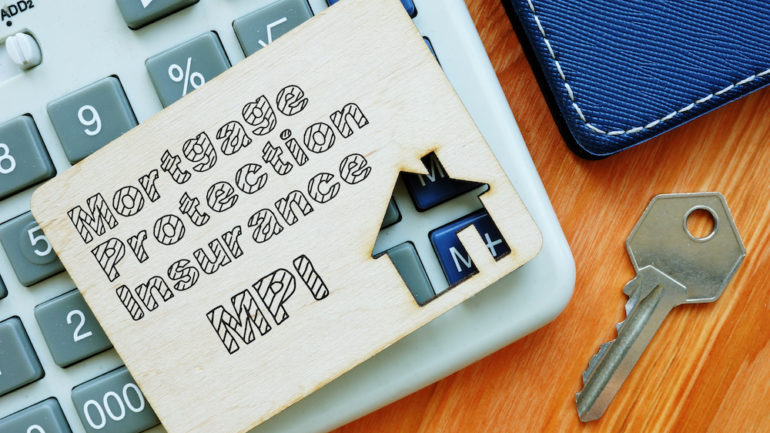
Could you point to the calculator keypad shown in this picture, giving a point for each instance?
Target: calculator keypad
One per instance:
(265, 25)
(113, 403)
(91, 117)
(139, 13)
(454, 259)
(185, 67)
(70, 329)
(23, 159)
(18, 362)
(28, 250)
(44, 417)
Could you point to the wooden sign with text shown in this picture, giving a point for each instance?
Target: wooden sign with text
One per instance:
(225, 244)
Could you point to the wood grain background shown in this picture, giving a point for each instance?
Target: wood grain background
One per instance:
(708, 368)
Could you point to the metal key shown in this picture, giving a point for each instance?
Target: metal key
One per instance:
(672, 267)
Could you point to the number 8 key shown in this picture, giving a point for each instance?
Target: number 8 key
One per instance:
(673, 267)
(23, 159)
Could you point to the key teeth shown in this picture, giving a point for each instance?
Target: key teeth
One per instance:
(595, 359)
(630, 304)
(603, 348)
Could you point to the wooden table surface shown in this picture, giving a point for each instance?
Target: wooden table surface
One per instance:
(708, 367)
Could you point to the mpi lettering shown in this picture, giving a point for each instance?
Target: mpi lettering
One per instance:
(256, 311)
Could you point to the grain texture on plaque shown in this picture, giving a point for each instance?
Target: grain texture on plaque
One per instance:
(225, 244)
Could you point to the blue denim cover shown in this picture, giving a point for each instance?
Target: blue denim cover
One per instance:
(624, 71)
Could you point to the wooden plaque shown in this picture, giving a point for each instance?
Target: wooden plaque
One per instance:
(225, 244)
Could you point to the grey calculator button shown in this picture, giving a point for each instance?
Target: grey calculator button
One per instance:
(44, 417)
(113, 403)
(257, 29)
(91, 117)
(392, 215)
(23, 159)
(3, 290)
(28, 250)
(18, 362)
(139, 13)
(409, 266)
(70, 329)
(185, 67)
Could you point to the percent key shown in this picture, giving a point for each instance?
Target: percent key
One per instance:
(186, 67)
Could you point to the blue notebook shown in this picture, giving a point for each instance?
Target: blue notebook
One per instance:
(623, 71)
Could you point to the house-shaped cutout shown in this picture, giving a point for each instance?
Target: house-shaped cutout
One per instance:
(435, 246)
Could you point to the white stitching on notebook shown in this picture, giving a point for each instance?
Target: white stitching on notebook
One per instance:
(636, 129)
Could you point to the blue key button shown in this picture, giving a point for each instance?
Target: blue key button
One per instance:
(3, 290)
(436, 187)
(408, 5)
(454, 259)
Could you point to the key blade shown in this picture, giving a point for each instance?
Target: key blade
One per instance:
(657, 294)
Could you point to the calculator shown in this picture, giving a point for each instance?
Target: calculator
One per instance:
(76, 75)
